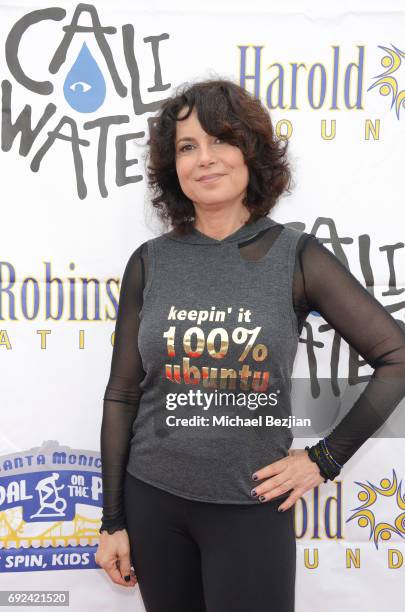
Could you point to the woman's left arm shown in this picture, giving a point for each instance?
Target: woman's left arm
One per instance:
(332, 290)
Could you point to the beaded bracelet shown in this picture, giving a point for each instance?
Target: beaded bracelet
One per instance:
(315, 459)
(319, 454)
(326, 468)
(330, 465)
(323, 441)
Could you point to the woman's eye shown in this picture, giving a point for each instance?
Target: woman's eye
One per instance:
(184, 147)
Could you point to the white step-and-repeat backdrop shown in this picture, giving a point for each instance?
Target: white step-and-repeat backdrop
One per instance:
(75, 205)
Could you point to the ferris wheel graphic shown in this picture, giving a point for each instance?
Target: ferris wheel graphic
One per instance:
(51, 504)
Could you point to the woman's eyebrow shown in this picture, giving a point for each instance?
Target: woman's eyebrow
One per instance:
(190, 138)
(185, 138)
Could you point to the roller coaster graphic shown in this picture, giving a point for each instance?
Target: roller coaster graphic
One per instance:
(15, 532)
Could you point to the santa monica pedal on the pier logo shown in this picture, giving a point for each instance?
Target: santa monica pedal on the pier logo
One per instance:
(51, 502)
(50, 508)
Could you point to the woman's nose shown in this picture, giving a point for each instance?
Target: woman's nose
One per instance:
(205, 155)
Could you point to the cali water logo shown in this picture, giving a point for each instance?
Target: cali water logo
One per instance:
(84, 90)
(84, 86)
(366, 517)
(386, 81)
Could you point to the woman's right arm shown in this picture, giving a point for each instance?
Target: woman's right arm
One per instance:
(120, 406)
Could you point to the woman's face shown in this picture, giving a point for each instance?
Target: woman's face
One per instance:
(199, 154)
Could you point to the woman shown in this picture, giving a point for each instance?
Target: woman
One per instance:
(207, 330)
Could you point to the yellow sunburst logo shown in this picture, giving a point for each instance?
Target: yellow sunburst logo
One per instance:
(365, 515)
(386, 81)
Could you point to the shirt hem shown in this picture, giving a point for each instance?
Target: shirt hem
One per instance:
(191, 497)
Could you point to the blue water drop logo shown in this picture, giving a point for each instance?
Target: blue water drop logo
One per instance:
(84, 86)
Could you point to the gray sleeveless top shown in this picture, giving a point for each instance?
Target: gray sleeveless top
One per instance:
(218, 337)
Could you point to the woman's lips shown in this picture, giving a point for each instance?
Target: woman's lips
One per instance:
(211, 179)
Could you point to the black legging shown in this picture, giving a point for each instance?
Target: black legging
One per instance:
(193, 556)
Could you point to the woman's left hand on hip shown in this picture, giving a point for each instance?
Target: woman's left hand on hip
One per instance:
(297, 472)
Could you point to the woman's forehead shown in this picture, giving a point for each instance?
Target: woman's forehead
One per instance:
(187, 125)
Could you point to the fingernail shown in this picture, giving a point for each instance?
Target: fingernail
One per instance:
(281, 509)
(127, 578)
(253, 493)
(254, 477)
(262, 498)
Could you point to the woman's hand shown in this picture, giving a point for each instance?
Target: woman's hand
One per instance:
(113, 555)
(297, 472)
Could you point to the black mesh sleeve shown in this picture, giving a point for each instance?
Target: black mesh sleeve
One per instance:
(122, 394)
(324, 284)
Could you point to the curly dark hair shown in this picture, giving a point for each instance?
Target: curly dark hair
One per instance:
(226, 110)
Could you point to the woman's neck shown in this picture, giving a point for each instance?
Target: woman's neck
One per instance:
(221, 227)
